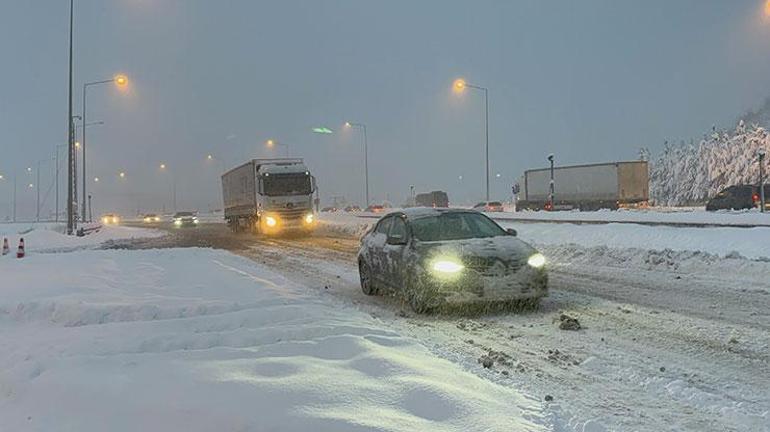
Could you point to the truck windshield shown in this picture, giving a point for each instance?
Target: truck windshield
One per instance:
(286, 184)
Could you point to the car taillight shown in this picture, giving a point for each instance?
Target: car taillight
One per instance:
(755, 198)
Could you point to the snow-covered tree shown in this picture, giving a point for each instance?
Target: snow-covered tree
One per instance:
(691, 174)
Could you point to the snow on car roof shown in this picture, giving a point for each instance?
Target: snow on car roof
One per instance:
(420, 212)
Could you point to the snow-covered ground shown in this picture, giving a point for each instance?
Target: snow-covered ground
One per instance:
(201, 340)
(663, 216)
(51, 237)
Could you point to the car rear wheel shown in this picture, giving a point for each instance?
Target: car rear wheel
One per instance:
(365, 274)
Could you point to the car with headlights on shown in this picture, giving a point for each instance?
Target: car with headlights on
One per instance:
(151, 218)
(185, 219)
(433, 257)
(110, 219)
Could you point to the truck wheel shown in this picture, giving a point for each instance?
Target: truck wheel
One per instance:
(365, 274)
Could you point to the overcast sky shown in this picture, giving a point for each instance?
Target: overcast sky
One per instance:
(587, 80)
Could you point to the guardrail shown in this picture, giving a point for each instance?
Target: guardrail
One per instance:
(89, 229)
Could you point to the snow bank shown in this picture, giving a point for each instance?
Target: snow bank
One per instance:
(51, 237)
(753, 243)
(691, 216)
(201, 340)
(344, 224)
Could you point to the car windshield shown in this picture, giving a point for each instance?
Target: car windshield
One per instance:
(287, 184)
(183, 214)
(455, 226)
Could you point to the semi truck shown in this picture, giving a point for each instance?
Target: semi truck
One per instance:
(432, 199)
(609, 185)
(269, 196)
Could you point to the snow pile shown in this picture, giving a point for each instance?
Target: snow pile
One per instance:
(692, 174)
(201, 340)
(647, 216)
(51, 237)
(752, 243)
(344, 224)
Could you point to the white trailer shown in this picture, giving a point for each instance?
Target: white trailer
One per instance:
(587, 187)
(269, 196)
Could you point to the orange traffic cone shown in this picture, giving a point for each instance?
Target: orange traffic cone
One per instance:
(6, 249)
(20, 252)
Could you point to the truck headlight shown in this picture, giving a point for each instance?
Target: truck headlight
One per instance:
(537, 260)
(446, 266)
(177, 222)
(270, 221)
(309, 218)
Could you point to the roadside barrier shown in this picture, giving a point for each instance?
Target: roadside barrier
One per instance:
(20, 252)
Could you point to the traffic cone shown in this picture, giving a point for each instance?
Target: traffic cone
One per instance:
(6, 249)
(20, 252)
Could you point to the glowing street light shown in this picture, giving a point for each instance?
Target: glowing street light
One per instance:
(29, 169)
(459, 86)
(121, 81)
(122, 175)
(209, 157)
(96, 179)
(272, 144)
(362, 127)
(162, 166)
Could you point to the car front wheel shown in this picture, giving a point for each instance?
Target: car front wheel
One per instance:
(365, 274)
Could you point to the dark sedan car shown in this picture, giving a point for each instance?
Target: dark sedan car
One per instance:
(435, 256)
(738, 197)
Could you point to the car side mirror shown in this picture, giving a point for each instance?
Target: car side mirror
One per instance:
(397, 240)
(512, 232)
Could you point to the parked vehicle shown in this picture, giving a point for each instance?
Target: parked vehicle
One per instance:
(329, 210)
(433, 199)
(587, 187)
(151, 218)
(437, 256)
(110, 219)
(375, 208)
(269, 196)
(738, 197)
(352, 209)
(489, 206)
(185, 219)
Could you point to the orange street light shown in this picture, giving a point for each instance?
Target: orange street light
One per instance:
(121, 80)
(459, 85)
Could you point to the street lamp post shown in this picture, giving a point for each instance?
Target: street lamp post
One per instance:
(71, 149)
(551, 185)
(362, 127)
(459, 86)
(762, 180)
(120, 80)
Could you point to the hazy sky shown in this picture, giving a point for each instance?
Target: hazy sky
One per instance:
(587, 80)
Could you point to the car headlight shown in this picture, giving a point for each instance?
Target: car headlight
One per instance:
(271, 221)
(177, 221)
(446, 266)
(537, 260)
(195, 220)
(309, 218)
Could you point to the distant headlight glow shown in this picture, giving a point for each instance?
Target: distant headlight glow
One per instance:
(271, 221)
(446, 266)
(537, 260)
(177, 222)
(309, 218)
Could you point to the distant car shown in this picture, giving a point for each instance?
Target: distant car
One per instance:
(329, 209)
(185, 219)
(352, 208)
(110, 219)
(437, 256)
(738, 197)
(151, 218)
(432, 199)
(375, 208)
(489, 206)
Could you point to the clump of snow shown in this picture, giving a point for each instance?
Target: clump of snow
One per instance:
(344, 224)
(691, 174)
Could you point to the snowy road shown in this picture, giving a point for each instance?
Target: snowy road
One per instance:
(670, 340)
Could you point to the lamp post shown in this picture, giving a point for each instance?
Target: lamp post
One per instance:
(762, 180)
(459, 86)
(119, 80)
(551, 185)
(362, 127)
(70, 148)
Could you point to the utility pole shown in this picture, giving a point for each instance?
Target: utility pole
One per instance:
(762, 180)
(71, 227)
(552, 191)
(90, 209)
(14, 195)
